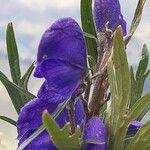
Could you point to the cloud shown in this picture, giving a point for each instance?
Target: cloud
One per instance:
(41, 5)
(29, 28)
(144, 32)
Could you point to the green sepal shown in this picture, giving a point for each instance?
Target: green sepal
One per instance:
(61, 137)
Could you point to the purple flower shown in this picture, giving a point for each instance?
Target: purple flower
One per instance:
(108, 11)
(134, 126)
(61, 61)
(61, 58)
(42, 142)
(30, 118)
(95, 130)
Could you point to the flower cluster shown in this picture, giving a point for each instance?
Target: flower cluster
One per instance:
(62, 62)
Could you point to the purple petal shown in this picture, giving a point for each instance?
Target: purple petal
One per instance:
(30, 116)
(45, 93)
(134, 126)
(108, 11)
(62, 41)
(79, 112)
(61, 77)
(30, 119)
(42, 142)
(95, 130)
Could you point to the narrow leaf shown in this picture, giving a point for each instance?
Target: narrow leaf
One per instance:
(119, 80)
(141, 75)
(9, 120)
(13, 54)
(14, 92)
(141, 139)
(26, 76)
(133, 88)
(88, 27)
(121, 69)
(141, 104)
(143, 62)
(137, 18)
(88, 35)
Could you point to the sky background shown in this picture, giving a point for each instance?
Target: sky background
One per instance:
(30, 19)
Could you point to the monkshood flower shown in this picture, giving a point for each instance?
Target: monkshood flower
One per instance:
(61, 58)
(62, 62)
(108, 11)
(134, 126)
(95, 130)
(30, 118)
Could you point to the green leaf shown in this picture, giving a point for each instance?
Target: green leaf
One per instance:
(138, 81)
(9, 120)
(14, 65)
(119, 80)
(88, 27)
(141, 140)
(119, 75)
(55, 114)
(137, 18)
(88, 35)
(133, 88)
(138, 108)
(143, 62)
(14, 92)
(13, 55)
(121, 68)
(26, 76)
(61, 137)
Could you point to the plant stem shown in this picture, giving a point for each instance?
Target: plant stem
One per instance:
(71, 116)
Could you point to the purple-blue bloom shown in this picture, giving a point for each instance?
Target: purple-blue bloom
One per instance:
(30, 117)
(61, 61)
(134, 126)
(61, 58)
(95, 130)
(42, 142)
(108, 11)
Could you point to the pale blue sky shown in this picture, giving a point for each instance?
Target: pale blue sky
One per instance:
(30, 19)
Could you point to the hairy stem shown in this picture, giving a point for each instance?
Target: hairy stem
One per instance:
(71, 116)
(101, 83)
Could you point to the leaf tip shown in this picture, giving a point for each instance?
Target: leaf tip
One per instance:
(45, 114)
(9, 25)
